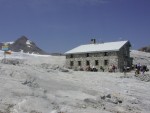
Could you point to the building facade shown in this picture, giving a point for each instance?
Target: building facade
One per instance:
(100, 56)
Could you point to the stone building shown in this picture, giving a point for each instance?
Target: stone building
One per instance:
(100, 55)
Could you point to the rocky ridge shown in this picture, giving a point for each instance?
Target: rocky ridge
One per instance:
(25, 45)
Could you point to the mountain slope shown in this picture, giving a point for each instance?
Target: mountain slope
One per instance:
(140, 57)
(145, 49)
(25, 45)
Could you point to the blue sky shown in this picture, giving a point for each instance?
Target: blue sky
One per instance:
(60, 25)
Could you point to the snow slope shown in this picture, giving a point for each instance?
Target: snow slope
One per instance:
(41, 84)
(140, 57)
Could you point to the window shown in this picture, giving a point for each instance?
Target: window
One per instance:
(79, 63)
(105, 62)
(71, 63)
(96, 62)
(105, 53)
(71, 56)
(87, 63)
(87, 55)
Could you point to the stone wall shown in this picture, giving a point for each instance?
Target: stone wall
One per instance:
(111, 57)
(124, 57)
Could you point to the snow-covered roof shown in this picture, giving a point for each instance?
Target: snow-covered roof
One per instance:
(98, 47)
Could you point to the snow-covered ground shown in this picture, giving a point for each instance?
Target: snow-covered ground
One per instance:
(41, 84)
(140, 57)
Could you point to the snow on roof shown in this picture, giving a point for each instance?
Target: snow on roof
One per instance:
(98, 47)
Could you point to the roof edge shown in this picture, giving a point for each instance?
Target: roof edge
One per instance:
(91, 52)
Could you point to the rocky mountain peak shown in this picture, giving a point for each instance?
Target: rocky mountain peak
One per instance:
(25, 45)
(22, 40)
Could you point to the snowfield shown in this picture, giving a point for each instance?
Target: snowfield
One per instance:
(42, 84)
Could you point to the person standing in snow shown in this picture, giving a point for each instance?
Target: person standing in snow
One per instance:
(138, 68)
(113, 68)
(144, 68)
(124, 69)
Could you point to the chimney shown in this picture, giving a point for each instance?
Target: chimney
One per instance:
(93, 41)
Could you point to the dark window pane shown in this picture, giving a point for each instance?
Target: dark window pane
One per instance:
(96, 62)
(87, 63)
(105, 53)
(105, 62)
(71, 63)
(71, 56)
(79, 63)
(87, 55)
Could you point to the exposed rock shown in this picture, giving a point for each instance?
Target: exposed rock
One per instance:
(145, 49)
(34, 111)
(12, 61)
(143, 77)
(25, 45)
(31, 82)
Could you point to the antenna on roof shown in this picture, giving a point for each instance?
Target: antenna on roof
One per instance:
(93, 41)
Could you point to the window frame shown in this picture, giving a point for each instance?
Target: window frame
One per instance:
(71, 55)
(71, 63)
(79, 63)
(106, 62)
(105, 53)
(87, 55)
(96, 62)
(87, 62)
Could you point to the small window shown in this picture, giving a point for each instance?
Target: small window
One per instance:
(71, 56)
(87, 55)
(96, 62)
(105, 53)
(87, 63)
(105, 62)
(71, 63)
(79, 63)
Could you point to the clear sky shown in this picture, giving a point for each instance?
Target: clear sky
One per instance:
(60, 25)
